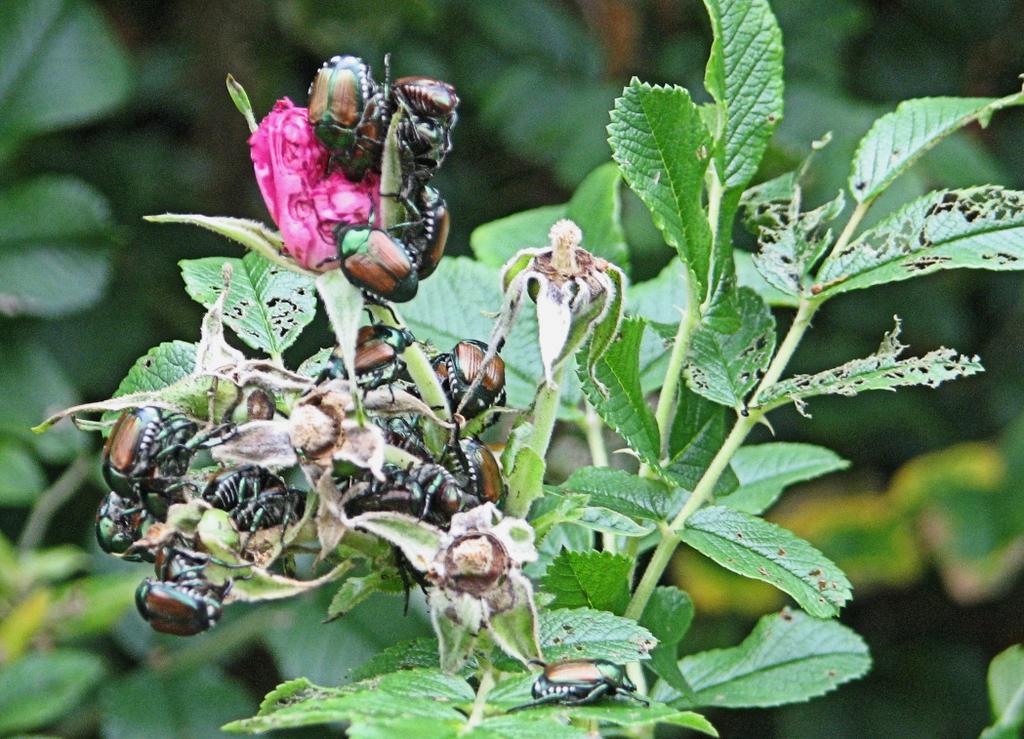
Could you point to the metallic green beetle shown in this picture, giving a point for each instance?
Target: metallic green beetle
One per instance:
(578, 682)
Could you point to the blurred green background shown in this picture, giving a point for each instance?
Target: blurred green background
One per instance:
(113, 109)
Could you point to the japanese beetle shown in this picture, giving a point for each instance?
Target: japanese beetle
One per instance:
(375, 261)
(274, 507)
(481, 470)
(427, 491)
(427, 238)
(424, 133)
(255, 497)
(183, 608)
(338, 97)
(146, 445)
(577, 682)
(119, 524)
(378, 360)
(460, 368)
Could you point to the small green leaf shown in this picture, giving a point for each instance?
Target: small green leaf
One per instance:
(251, 234)
(668, 615)
(267, 306)
(598, 580)
(754, 548)
(883, 370)
(898, 139)
(241, 100)
(661, 300)
(312, 366)
(975, 228)
(744, 76)
(163, 365)
(625, 408)
(38, 689)
(418, 693)
(622, 492)
(515, 630)
(1006, 692)
(41, 89)
(54, 258)
(789, 657)
(354, 591)
(585, 633)
(417, 539)
(662, 147)
(731, 348)
(765, 470)
(22, 478)
(607, 328)
(496, 242)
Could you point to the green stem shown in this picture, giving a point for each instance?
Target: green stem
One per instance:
(743, 426)
(51, 500)
(523, 486)
(476, 715)
(680, 347)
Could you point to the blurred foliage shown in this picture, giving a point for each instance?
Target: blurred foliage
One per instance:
(111, 109)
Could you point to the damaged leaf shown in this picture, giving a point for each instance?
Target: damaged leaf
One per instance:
(883, 370)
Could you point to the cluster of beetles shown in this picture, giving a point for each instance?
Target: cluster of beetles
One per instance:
(149, 452)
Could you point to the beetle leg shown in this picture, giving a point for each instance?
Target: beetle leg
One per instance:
(629, 694)
(546, 700)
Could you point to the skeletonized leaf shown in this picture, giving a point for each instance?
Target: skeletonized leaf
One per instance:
(752, 547)
(883, 370)
(744, 75)
(748, 276)
(790, 241)
(765, 470)
(789, 657)
(730, 348)
(976, 228)
(661, 145)
(898, 139)
(267, 305)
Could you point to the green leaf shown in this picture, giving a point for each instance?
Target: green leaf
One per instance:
(625, 408)
(596, 208)
(754, 548)
(744, 76)
(22, 478)
(40, 688)
(598, 580)
(975, 228)
(668, 615)
(585, 633)
(496, 242)
(53, 254)
(267, 306)
(697, 432)
(765, 470)
(883, 370)
(748, 276)
(418, 693)
(250, 234)
(1006, 692)
(354, 591)
(625, 493)
(730, 348)
(160, 705)
(898, 139)
(661, 146)
(404, 655)
(92, 605)
(790, 241)
(418, 540)
(41, 88)
(789, 657)
(661, 300)
(163, 365)
(431, 317)
(313, 365)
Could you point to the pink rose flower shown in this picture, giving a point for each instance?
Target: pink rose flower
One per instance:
(304, 200)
